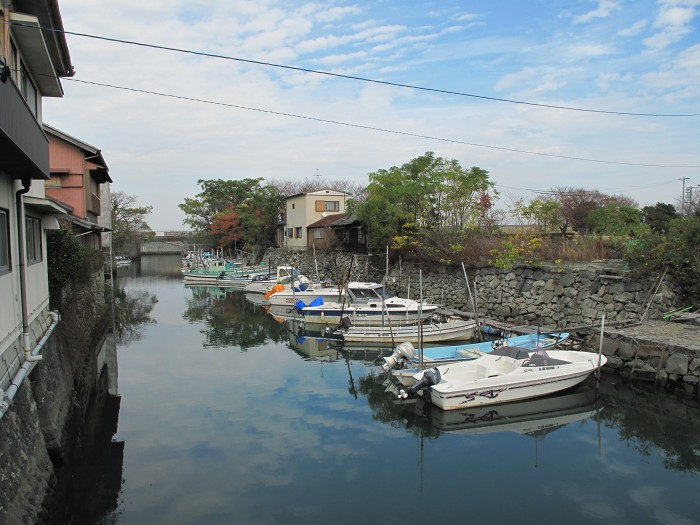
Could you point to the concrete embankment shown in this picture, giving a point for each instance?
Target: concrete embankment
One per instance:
(38, 433)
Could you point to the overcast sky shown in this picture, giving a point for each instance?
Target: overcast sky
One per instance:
(621, 56)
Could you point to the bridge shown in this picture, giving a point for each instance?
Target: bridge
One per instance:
(171, 243)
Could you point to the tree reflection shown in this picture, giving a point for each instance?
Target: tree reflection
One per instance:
(230, 320)
(131, 311)
(654, 422)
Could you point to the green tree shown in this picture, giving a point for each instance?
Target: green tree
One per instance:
(544, 213)
(619, 221)
(233, 211)
(678, 251)
(129, 227)
(427, 207)
(659, 216)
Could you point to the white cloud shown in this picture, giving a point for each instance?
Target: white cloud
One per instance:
(158, 147)
(672, 22)
(634, 29)
(605, 9)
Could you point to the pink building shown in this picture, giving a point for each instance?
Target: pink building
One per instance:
(77, 172)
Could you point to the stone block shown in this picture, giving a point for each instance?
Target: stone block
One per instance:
(615, 362)
(691, 379)
(694, 364)
(677, 364)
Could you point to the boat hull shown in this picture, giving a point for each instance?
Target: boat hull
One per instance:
(560, 371)
(366, 316)
(430, 333)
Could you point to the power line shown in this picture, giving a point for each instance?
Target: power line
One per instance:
(361, 79)
(383, 130)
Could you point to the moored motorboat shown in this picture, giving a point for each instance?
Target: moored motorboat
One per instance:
(428, 332)
(368, 304)
(506, 374)
(407, 358)
(283, 275)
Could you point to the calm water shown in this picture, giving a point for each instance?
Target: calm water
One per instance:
(227, 417)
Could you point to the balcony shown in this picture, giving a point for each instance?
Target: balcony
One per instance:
(24, 149)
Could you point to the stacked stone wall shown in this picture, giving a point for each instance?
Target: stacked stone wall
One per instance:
(561, 296)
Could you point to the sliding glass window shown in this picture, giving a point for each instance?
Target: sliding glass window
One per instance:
(34, 254)
(4, 241)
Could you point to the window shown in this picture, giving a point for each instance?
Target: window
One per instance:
(290, 232)
(327, 205)
(33, 235)
(318, 233)
(4, 242)
(26, 86)
(297, 232)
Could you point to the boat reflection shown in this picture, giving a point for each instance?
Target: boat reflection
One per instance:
(537, 417)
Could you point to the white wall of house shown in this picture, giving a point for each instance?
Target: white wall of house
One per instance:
(307, 208)
(10, 310)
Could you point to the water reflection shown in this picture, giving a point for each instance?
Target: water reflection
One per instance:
(536, 417)
(132, 311)
(229, 319)
(274, 426)
(653, 422)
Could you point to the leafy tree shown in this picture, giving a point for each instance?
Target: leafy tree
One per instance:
(659, 216)
(678, 251)
(545, 213)
(235, 211)
(578, 203)
(428, 207)
(617, 221)
(129, 227)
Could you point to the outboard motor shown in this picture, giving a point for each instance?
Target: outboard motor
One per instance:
(430, 377)
(402, 353)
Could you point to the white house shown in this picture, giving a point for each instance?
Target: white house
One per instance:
(31, 63)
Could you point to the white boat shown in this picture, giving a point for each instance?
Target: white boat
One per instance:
(494, 378)
(284, 274)
(429, 332)
(368, 304)
(290, 296)
(407, 357)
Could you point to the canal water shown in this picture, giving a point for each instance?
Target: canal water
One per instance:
(228, 417)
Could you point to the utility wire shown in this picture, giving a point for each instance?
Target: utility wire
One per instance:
(352, 77)
(383, 130)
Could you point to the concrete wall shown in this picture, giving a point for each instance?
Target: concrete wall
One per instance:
(36, 432)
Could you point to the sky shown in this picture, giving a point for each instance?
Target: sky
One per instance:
(293, 90)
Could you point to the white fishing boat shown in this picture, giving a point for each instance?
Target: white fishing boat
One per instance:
(289, 296)
(283, 275)
(429, 332)
(503, 376)
(368, 304)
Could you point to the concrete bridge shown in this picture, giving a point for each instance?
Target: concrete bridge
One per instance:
(169, 243)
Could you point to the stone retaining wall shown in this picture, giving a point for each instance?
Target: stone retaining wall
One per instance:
(562, 296)
(36, 430)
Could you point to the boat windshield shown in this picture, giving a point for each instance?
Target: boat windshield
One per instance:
(371, 293)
